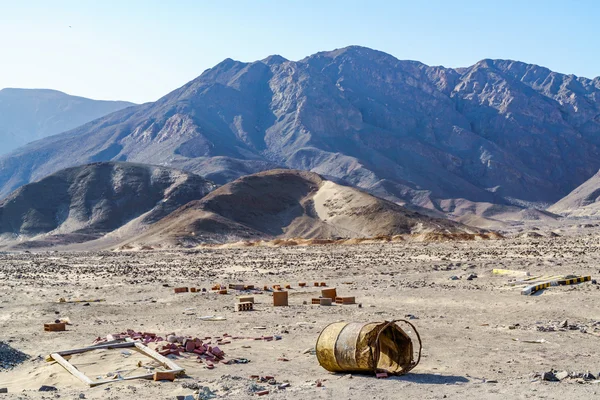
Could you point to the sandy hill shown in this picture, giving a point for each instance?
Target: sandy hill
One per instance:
(584, 201)
(288, 204)
(84, 203)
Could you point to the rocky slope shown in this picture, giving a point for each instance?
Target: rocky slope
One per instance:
(84, 203)
(31, 114)
(498, 132)
(280, 204)
(584, 201)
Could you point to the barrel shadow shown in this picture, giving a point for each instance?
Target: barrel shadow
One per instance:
(432, 379)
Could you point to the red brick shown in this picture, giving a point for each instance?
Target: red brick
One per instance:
(56, 327)
(164, 376)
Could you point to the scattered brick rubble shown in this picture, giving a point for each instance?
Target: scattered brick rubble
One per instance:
(206, 349)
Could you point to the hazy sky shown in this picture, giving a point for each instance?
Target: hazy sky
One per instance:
(140, 50)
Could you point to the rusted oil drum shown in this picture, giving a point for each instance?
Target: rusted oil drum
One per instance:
(367, 348)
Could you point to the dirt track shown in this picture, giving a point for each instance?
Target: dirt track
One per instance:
(464, 323)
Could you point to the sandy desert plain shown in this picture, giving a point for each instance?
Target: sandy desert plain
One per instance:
(479, 335)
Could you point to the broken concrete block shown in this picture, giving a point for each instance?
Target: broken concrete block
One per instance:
(325, 301)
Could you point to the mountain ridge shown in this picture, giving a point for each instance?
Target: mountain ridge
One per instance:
(30, 114)
(500, 131)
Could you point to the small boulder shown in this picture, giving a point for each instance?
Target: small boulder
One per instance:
(550, 377)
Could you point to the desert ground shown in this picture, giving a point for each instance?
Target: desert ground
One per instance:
(481, 338)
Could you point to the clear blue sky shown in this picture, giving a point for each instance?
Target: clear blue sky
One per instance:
(139, 50)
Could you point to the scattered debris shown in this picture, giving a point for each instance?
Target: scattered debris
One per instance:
(63, 300)
(559, 376)
(212, 318)
(539, 341)
(496, 271)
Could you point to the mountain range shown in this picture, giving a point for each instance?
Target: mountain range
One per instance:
(27, 115)
(499, 132)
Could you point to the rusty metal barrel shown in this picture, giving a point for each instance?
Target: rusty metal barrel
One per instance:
(367, 348)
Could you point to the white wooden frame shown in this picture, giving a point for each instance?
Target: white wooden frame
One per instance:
(167, 363)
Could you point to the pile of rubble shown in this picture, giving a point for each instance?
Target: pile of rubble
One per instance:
(10, 357)
(558, 376)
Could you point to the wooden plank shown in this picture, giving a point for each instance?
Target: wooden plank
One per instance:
(97, 347)
(74, 371)
(129, 378)
(153, 354)
(102, 382)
